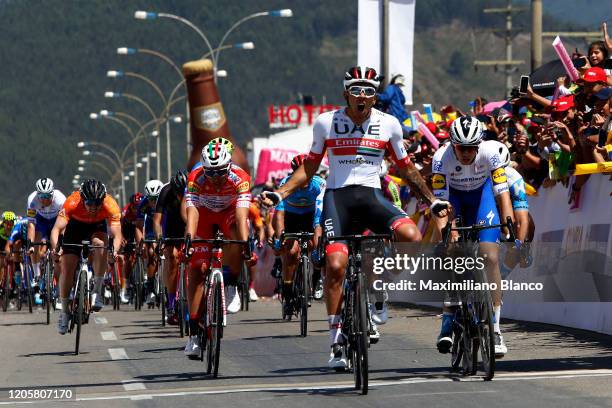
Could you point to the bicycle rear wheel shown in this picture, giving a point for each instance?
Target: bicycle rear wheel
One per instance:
(304, 294)
(214, 331)
(80, 307)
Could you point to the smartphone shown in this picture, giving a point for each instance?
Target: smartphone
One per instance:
(524, 84)
(511, 132)
(603, 136)
(580, 62)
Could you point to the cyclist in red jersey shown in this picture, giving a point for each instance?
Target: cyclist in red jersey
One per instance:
(218, 193)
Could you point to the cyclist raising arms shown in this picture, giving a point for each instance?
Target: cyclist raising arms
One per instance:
(218, 193)
(169, 222)
(470, 173)
(356, 138)
(85, 217)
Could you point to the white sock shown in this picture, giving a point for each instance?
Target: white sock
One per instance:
(335, 328)
(496, 318)
(36, 266)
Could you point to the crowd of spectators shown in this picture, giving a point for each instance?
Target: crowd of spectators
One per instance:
(547, 136)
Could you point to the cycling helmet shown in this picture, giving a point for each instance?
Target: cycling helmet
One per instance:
(297, 161)
(361, 75)
(504, 153)
(179, 181)
(93, 190)
(44, 185)
(466, 131)
(215, 155)
(136, 198)
(9, 216)
(226, 142)
(153, 188)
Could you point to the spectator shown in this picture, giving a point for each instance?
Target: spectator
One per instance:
(394, 99)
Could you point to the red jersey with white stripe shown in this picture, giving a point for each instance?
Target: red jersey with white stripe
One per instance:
(235, 192)
(355, 152)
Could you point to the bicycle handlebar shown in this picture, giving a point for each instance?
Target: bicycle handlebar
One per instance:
(448, 228)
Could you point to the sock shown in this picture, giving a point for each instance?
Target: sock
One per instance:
(335, 329)
(171, 300)
(65, 302)
(496, 318)
(36, 266)
(287, 288)
(151, 285)
(98, 284)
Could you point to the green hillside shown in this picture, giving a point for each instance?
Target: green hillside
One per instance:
(55, 54)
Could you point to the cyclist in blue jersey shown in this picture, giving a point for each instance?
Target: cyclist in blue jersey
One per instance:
(145, 230)
(525, 228)
(470, 174)
(299, 212)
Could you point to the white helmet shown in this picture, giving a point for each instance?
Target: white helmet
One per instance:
(44, 185)
(504, 153)
(215, 155)
(153, 188)
(466, 131)
(361, 75)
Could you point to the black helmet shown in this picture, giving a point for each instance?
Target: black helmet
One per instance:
(93, 190)
(179, 182)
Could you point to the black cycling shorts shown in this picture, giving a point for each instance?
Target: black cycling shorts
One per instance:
(353, 209)
(299, 222)
(77, 231)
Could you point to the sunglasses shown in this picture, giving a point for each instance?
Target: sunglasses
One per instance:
(467, 148)
(216, 172)
(357, 90)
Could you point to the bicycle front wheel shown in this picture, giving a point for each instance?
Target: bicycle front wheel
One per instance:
(305, 293)
(214, 331)
(80, 307)
(486, 341)
(48, 291)
(361, 327)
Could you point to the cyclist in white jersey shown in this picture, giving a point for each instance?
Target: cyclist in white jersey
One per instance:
(525, 228)
(356, 139)
(470, 173)
(43, 206)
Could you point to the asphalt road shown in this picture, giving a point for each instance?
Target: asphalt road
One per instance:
(129, 359)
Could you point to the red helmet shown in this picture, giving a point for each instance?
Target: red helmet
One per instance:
(297, 161)
(135, 198)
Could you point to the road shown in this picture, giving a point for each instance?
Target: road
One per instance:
(129, 360)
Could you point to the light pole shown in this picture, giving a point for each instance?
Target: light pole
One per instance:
(116, 159)
(152, 84)
(173, 119)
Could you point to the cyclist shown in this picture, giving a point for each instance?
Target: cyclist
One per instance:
(43, 206)
(525, 227)
(128, 232)
(145, 230)
(169, 222)
(17, 239)
(356, 138)
(88, 214)
(218, 193)
(469, 173)
(6, 227)
(298, 212)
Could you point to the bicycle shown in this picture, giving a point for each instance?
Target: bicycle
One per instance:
(355, 314)
(138, 279)
(80, 306)
(181, 307)
(302, 280)
(6, 283)
(215, 314)
(46, 280)
(473, 323)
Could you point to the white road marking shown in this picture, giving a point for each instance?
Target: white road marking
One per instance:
(130, 385)
(118, 354)
(108, 335)
(100, 320)
(349, 385)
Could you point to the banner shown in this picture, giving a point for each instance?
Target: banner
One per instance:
(401, 39)
(274, 164)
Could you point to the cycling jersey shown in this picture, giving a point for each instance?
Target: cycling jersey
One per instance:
(5, 233)
(355, 152)
(74, 209)
(235, 191)
(169, 204)
(19, 232)
(391, 191)
(255, 215)
(145, 214)
(516, 184)
(449, 172)
(305, 200)
(36, 210)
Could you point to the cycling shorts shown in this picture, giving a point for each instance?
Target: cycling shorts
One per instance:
(353, 209)
(475, 207)
(299, 222)
(207, 221)
(77, 231)
(44, 226)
